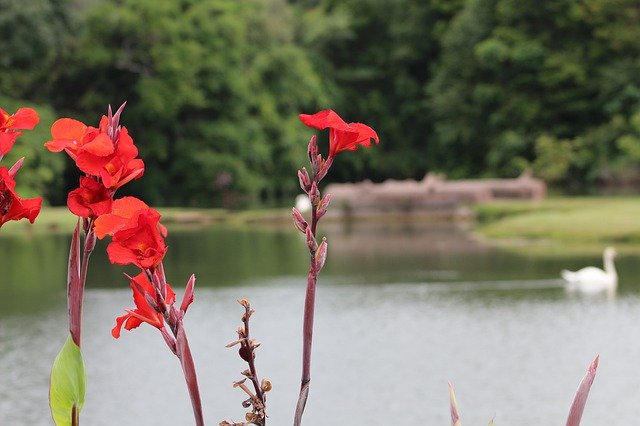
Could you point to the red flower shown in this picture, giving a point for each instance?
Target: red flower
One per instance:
(91, 199)
(137, 235)
(342, 136)
(23, 119)
(12, 207)
(143, 292)
(95, 152)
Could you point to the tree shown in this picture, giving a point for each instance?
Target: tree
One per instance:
(214, 88)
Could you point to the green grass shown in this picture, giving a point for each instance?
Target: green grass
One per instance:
(584, 220)
(60, 220)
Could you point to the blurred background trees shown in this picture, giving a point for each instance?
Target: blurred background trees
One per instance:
(464, 87)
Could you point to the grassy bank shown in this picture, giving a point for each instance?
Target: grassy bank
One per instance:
(565, 220)
(60, 220)
(583, 220)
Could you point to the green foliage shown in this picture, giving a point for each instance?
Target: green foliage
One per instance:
(213, 94)
(67, 389)
(522, 82)
(214, 87)
(379, 55)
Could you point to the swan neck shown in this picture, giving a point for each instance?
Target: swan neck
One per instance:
(609, 265)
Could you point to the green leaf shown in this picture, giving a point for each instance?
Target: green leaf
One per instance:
(66, 391)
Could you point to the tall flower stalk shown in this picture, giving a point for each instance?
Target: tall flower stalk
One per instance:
(342, 136)
(107, 156)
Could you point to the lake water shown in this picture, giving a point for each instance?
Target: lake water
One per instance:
(400, 311)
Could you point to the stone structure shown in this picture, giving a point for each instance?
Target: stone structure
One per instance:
(433, 194)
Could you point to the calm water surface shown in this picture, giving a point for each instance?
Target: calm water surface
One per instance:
(401, 310)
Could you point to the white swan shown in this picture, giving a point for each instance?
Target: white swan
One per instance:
(592, 279)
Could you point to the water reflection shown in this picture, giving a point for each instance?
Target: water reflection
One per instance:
(401, 310)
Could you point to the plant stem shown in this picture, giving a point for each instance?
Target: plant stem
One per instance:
(188, 367)
(251, 361)
(307, 327)
(78, 278)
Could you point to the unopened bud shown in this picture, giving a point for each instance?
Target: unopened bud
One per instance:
(312, 149)
(265, 385)
(324, 204)
(324, 168)
(14, 169)
(244, 303)
(321, 254)
(299, 221)
(316, 164)
(314, 194)
(311, 240)
(251, 417)
(89, 242)
(304, 179)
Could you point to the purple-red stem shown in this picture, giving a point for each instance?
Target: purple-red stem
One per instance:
(78, 278)
(307, 327)
(188, 368)
(180, 345)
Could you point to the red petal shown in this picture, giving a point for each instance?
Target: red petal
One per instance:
(24, 119)
(323, 119)
(75, 204)
(7, 139)
(128, 206)
(108, 224)
(115, 331)
(121, 255)
(365, 133)
(101, 146)
(68, 129)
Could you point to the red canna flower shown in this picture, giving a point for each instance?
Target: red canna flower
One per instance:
(23, 119)
(342, 136)
(91, 199)
(111, 158)
(137, 235)
(12, 207)
(144, 297)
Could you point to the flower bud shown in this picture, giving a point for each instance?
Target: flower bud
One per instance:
(187, 297)
(324, 204)
(312, 149)
(316, 163)
(314, 194)
(265, 385)
(324, 168)
(321, 254)
(311, 240)
(14, 169)
(304, 179)
(298, 221)
(89, 242)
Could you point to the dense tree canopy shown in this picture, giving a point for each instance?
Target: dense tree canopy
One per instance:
(464, 87)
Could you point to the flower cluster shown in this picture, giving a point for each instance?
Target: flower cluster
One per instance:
(12, 206)
(343, 136)
(107, 156)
